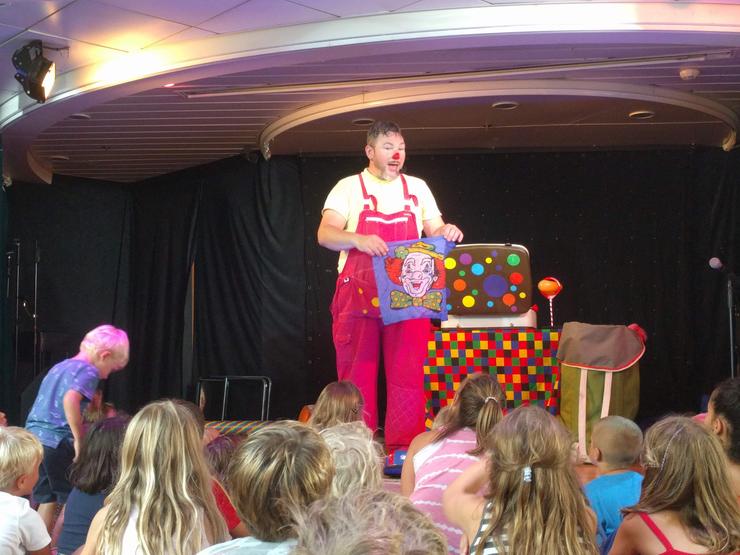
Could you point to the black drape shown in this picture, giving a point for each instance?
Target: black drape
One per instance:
(628, 233)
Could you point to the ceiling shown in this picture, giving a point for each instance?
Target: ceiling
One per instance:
(148, 87)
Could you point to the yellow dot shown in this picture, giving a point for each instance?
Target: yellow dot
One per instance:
(375, 302)
(360, 291)
(489, 260)
(468, 301)
(522, 295)
(450, 263)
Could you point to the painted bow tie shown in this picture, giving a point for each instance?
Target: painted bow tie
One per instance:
(432, 300)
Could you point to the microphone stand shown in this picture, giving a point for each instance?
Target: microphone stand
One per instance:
(731, 320)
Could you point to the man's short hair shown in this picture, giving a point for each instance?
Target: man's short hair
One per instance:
(619, 440)
(278, 469)
(19, 451)
(368, 522)
(380, 128)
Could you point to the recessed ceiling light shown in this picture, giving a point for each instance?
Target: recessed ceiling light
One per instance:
(505, 105)
(363, 122)
(59, 157)
(80, 115)
(168, 85)
(642, 114)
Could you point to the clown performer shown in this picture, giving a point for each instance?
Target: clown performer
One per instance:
(362, 213)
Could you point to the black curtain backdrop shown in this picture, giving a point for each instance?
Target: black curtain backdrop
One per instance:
(629, 235)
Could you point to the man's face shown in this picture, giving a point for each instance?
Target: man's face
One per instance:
(417, 274)
(386, 156)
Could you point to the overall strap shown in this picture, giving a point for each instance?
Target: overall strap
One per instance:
(406, 195)
(367, 197)
(655, 530)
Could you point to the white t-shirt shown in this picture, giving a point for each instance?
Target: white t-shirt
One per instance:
(251, 546)
(346, 199)
(21, 528)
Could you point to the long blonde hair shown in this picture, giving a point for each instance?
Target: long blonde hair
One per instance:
(338, 402)
(165, 477)
(535, 499)
(478, 404)
(685, 471)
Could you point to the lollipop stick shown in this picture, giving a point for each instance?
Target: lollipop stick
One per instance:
(552, 319)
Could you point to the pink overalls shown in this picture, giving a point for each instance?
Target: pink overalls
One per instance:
(358, 331)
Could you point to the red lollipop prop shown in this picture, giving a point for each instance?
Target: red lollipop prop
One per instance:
(550, 287)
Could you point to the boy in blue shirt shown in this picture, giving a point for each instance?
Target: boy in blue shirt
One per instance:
(56, 415)
(616, 443)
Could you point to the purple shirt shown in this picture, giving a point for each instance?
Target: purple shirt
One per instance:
(47, 420)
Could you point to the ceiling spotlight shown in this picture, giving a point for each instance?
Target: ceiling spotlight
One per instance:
(34, 72)
(505, 105)
(642, 114)
(363, 122)
(688, 73)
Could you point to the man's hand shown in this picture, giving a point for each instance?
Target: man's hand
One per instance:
(371, 244)
(450, 232)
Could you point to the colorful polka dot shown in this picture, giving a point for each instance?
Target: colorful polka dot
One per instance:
(489, 260)
(360, 291)
(498, 267)
(522, 295)
(513, 259)
(495, 286)
(474, 292)
(450, 263)
(514, 308)
(461, 273)
(459, 285)
(465, 258)
(489, 304)
(513, 288)
(494, 253)
(364, 310)
(477, 269)
(508, 299)
(375, 302)
(468, 301)
(449, 307)
(516, 278)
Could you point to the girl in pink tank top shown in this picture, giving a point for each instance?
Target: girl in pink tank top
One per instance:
(687, 490)
(437, 457)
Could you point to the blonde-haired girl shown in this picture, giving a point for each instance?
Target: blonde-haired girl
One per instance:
(162, 502)
(534, 504)
(435, 458)
(338, 403)
(687, 504)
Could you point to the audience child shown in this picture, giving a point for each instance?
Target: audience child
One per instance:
(440, 421)
(533, 504)
(358, 461)
(56, 415)
(339, 402)
(21, 528)
(437, 457)
(98, 409)
(278, 470)
(723, 418)
(3, 419)
(686, 505)
(223, 501)
(218, 454)
(93, 475)
(162, 502)
(367, 522)
(616, 443)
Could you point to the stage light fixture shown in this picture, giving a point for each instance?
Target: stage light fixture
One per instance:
(34, 72)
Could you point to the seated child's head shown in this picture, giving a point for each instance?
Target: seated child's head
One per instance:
(723, 416)
(106, 348)
(20, 456)
(357, 458)
(278, 469)
(339, 402)
(616, 443)
(368, 522)
(219, 453)
(96, 469)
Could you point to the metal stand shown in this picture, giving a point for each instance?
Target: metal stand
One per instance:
(731, 322)
(226, 380)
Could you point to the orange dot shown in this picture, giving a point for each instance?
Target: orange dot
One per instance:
(459, 285)
(375, 302)
(364, 310)
(508, 299)
(360, 291)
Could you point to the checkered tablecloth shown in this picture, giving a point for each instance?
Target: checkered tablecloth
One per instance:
(523, 360)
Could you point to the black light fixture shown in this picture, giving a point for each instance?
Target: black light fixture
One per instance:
(34, 72)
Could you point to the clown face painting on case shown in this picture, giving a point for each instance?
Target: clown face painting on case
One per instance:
(411, 280)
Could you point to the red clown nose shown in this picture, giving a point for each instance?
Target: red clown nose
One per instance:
(396, 155)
